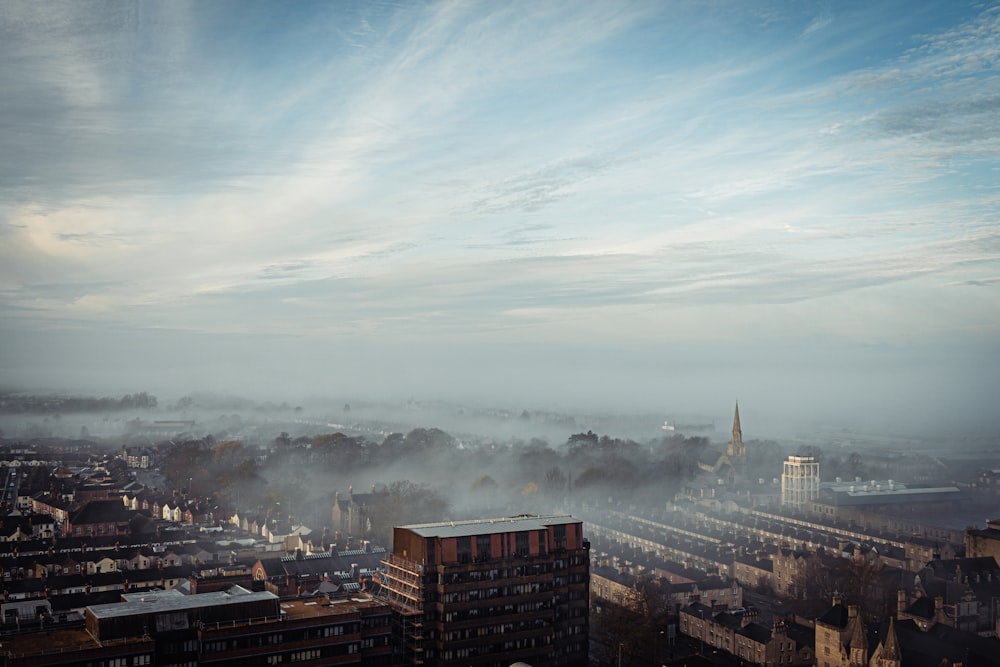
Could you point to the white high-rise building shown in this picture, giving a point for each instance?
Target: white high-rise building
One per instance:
(799, 481)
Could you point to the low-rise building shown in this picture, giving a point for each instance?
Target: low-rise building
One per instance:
(736, 632)
(223, 629)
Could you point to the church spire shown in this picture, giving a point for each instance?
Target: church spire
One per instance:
(858, 645)
(737, 432)
(891, 656)
(736, 447)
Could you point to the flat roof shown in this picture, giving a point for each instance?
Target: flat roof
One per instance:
(506, 524)
(173, 600)
(914, 492)
(319, 606)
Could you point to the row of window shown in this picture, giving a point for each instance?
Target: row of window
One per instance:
(497, 629)
(133, 661)
(280, 637)
(498, 610)
(312, 654)
(495, 573)
(497, 592)
(495, 649)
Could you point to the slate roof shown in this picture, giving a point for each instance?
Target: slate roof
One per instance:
(764, 563)
(948, 569)
(756, 632)
(922, 607)
(835, 616)
(100, 511)
(928, 649)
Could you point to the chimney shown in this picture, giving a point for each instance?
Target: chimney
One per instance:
(836, 599)
(900, 602)
(852, 611)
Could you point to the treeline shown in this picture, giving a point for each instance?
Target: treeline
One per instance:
(293, 479)
(27, 403)
(479, 474)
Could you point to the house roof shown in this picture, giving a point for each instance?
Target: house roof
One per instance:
(942, 643)
(100, 511)
(952, 567)
(835, 616)
(756, 632)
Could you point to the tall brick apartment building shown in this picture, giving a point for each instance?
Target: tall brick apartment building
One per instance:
(491, 592)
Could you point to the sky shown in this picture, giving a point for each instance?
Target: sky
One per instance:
(657, 205)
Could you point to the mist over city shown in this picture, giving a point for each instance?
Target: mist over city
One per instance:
(466, 333)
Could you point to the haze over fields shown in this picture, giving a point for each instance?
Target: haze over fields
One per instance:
(659, 207)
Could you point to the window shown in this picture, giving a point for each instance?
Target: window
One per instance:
(464, 545)
(300, 656)
(482, 547)
(559, 533)
(522, 544)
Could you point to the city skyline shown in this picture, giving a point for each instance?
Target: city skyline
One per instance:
(648, 204)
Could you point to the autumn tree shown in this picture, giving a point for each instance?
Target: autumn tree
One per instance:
(228, 452)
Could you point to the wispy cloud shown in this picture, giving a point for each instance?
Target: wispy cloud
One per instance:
(471, 169)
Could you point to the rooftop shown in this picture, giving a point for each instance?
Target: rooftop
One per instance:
(485, 526)
(320, 606)
(172, 600)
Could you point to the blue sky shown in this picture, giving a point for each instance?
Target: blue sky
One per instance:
(656, 204)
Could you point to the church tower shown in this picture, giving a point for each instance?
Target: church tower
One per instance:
(858, 645)
(737, 450)
(888, 654)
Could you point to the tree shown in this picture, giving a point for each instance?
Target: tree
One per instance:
(555, 480)
(186, 460)
(632, 629)
(227, 451)
(405, 502)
